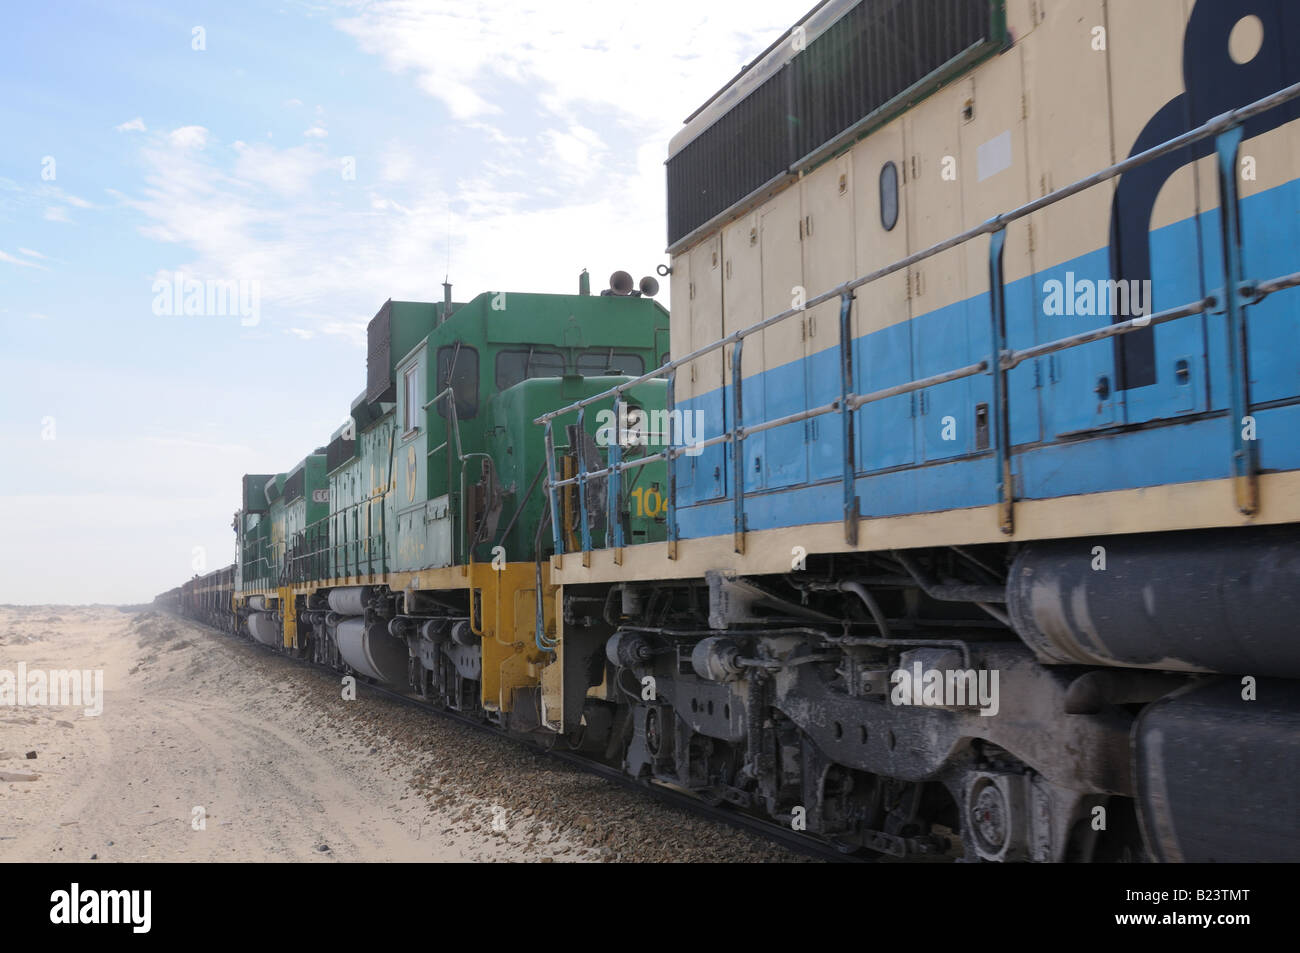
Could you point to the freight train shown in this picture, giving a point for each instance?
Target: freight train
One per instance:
(955, 511)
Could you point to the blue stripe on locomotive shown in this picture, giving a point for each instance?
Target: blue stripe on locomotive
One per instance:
(911, 469)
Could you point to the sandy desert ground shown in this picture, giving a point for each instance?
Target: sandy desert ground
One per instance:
(278, 767)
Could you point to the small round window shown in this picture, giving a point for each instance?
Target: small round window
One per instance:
(889, 196)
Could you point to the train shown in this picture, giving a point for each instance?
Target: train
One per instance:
(951, 509)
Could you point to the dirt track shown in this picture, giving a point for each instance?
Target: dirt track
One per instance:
(283, 768)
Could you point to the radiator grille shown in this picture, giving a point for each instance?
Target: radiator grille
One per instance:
(339, 452)
(876, 51)
(379, 364)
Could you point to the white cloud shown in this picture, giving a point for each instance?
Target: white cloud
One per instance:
(293, 102)
(30, 253)
(189, 137)
(574, 154)
(493, 134)
(316, 132)
(132, 125)
(651, 68)
(584, 190)
(283, 171)
(77, 202)
(56, 213)
(396, 164)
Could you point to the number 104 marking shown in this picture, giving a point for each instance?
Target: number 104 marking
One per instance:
(648, 500)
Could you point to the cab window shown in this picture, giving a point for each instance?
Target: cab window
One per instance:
(458, 364)
(518, 365)
(598, 361)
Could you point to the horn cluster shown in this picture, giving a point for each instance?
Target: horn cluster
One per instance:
(620, 285)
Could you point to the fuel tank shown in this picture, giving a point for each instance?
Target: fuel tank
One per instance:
(350, 600)
(1205, 601)
(265, 629)
(1217, 768)
(370, 650)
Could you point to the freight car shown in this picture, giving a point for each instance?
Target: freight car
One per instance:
(962, 521)
(208, 598)
(169, 600)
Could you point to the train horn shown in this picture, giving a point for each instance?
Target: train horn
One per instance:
(620, 283)
(649, 286)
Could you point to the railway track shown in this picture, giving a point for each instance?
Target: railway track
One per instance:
(789, 839)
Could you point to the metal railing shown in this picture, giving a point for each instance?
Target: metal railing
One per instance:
(348, 542)
(453, 433)
(1231, 299)
(260, 562)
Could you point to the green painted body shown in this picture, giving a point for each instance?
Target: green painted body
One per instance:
(262, 537)
(517, 446)
(253, 532)
(398, 491)
(306, 513)
(357, 514)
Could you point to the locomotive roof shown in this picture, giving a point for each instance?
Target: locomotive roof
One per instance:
(815, 22)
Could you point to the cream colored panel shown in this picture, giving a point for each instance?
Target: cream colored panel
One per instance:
(1275, 160)
(883, 302)
(1067, 96)
(706, 312)
(742, 297)
(1023, 16)
(784, 389)
(778, 230)
(933, 205)
(828, 240)
(706, 327)
(679, 322)
(1145, 43)
(742, 289)
(885, 434)
(993, 167)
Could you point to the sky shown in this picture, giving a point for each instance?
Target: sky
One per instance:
(298, 163)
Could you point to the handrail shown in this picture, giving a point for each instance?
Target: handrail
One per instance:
(1212, 127)
(461, 457)
(1238, 292)
(299, 558)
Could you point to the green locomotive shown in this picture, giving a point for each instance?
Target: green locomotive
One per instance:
(414, 547)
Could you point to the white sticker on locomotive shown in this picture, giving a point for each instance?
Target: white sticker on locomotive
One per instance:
(994, 156)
